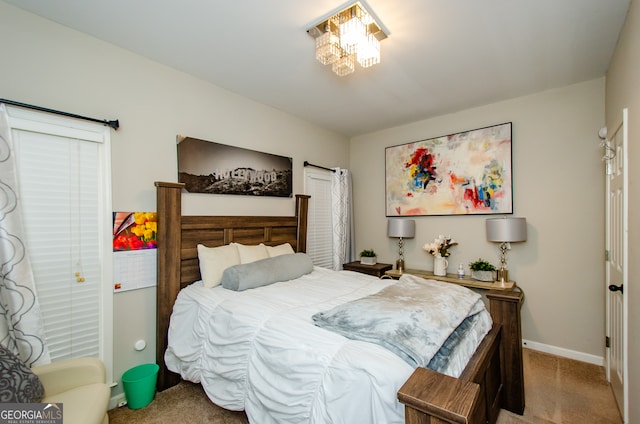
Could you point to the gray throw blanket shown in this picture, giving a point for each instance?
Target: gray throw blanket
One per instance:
(412, 318)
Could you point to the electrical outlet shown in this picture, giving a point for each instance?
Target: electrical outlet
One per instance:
(121, 401)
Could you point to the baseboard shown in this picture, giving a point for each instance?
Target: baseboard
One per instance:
(565, 353)
(117, 401)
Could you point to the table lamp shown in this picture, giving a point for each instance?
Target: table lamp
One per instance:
(401, 229)
(504, 231)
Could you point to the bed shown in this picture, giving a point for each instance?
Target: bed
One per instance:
(491, 379)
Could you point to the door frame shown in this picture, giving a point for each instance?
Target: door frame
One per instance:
(27, 120)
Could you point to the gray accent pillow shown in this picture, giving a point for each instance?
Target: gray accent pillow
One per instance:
(18, 384)
(266, 271)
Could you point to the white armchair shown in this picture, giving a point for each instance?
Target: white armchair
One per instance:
(80, 384)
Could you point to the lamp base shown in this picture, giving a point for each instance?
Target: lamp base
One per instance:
(503, 275)
(400, 265)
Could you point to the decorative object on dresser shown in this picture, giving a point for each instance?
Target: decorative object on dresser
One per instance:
(506, 230)
(482, 270)
(457, 174)
(368, 257)
(377, 270)
(440, 250)
(440, 265)
(401, 229)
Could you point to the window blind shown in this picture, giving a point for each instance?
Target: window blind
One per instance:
(58, 178)
(320, 227)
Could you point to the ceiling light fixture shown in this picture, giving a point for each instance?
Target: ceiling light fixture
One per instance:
(348, 36)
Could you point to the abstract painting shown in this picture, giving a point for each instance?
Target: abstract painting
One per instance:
(464, 173)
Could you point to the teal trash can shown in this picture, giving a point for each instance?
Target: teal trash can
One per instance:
(139, 385)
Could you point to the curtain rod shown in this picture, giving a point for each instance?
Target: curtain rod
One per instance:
(113, 124)
(318, 166)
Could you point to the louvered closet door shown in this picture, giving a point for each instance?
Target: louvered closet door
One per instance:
(319, 224)
(58, 179)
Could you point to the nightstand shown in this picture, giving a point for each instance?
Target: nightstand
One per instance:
(376, 270)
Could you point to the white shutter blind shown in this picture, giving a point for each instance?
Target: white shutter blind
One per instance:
(319, 228)
(59, 180)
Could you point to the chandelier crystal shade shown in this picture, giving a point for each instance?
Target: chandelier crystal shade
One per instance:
(346, 37)
(328, 48)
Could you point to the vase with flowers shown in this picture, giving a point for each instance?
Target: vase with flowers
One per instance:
(440, 249)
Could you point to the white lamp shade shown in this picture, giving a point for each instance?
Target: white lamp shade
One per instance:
(506, 230)
(403, 228)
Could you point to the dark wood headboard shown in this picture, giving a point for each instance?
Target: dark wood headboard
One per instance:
(178, 237)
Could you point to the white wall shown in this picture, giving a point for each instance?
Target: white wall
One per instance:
(558, 186)
(49, 65)
(623, 82)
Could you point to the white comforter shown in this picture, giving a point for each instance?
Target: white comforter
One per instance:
(258, 350)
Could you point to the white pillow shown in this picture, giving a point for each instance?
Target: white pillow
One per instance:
(214, 260)
(281, 249)
(252, 253)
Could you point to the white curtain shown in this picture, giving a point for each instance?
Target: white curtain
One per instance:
(21, 329)
(342, 218)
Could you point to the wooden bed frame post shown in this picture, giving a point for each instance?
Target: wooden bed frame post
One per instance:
(169, 234)
(302, 209)
(505, 309)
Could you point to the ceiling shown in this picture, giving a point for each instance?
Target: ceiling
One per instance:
(441, 56)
